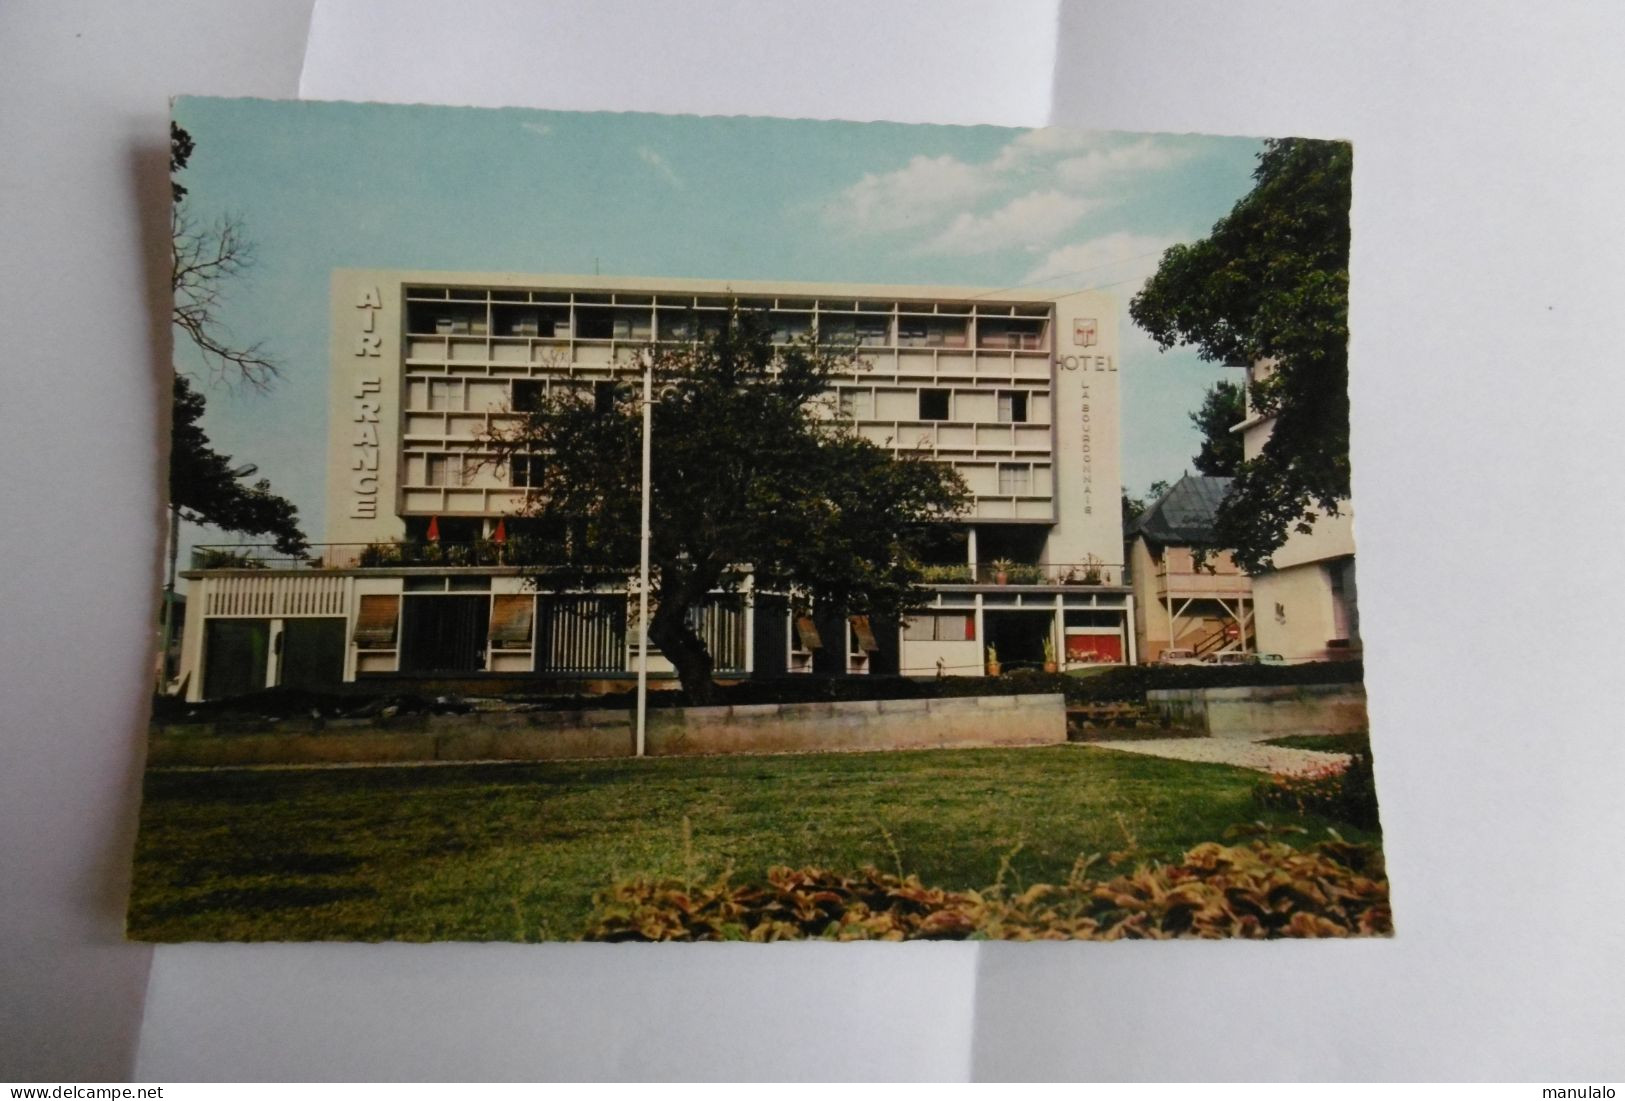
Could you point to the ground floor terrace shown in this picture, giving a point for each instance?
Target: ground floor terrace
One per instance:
(316, 628)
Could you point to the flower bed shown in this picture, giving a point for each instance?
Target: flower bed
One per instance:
(1261, 890)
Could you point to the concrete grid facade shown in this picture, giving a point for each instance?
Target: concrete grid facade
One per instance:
(1018, 391)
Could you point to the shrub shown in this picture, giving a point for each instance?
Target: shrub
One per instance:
(1347, 793)
(1261, 890)
(216, 558)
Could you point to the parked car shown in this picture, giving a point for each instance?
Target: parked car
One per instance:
(1229, 657)
(1271, 659)
(1179, 657)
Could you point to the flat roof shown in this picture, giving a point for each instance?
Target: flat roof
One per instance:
(654, 284)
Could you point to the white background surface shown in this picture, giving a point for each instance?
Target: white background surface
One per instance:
(1487, 282)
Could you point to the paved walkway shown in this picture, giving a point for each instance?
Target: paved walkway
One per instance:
(1241, 752)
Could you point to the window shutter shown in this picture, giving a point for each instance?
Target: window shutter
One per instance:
(866, 638)
(807, 631)
(376, 620)
(511, 617)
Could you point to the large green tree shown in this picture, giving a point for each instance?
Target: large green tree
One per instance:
(206, 488)
(754, 475)
(1270, 285)
(1222, 408)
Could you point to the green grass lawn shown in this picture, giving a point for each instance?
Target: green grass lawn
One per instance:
(515, 852)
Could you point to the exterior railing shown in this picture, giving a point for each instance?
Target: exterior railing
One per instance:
(1014, 573)
(487, 553)
(361, 556)
(1202, 583)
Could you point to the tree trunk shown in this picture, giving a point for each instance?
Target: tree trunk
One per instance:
(669, 630)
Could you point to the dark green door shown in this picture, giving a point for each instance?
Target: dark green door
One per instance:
(444, 634)
(313, 653)
(234, 653)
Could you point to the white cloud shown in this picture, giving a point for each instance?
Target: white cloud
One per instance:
(1097, 166)
(1028, 221)
(1122, 260)
(1119, 264)
(660, 165)
(1031, 146)
(920, 191)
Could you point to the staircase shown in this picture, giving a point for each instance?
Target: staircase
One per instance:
(1211, 642)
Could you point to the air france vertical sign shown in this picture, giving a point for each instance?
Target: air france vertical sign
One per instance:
(366, 405)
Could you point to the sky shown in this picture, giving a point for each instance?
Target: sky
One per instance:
(324, 185)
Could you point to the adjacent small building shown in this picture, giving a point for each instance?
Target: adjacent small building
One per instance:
(1308, 604)
(1181, 603)
(1016, 390)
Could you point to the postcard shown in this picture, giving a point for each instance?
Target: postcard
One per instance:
(592, 526)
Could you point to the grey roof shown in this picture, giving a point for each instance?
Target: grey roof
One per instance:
(1184, 515)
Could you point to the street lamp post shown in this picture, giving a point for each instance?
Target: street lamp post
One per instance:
(643, 566)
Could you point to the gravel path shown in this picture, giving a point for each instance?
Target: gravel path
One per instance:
(1230, 751)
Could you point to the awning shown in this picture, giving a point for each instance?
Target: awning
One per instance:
(511, 617)
(807, 632)
(376, 620)
(866, 638)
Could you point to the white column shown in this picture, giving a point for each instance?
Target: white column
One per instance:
(1128, 629)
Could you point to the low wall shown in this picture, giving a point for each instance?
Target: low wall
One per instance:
(557, 735)
(1264, 710)
(859, 725)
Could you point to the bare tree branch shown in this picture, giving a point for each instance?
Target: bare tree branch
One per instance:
(203, 260)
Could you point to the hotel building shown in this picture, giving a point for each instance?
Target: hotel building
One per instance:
(1017, 390)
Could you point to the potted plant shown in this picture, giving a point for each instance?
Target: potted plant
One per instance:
(1050, 664)
(992, 662)
(1001, 571)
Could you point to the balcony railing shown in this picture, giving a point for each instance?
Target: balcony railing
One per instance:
(1230, 582)
(1052, 573)
(486, 553)
(361, 556)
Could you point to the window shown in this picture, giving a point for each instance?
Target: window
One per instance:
(527, 395)
(1015, 479)
(933, 405)
(874, 331)
(1013, 407)
(524, 470)
(445, 394)
(444, 470)
(603, 397)
(950, 627)
(857, 405)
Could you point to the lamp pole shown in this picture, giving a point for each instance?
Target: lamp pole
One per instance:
(643, 566)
